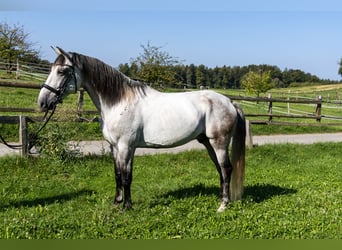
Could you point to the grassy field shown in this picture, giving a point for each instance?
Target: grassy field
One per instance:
(291, 192)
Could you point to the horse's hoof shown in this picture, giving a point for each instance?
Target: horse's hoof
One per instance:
(222, 207)
(117, 202)
(127, 206)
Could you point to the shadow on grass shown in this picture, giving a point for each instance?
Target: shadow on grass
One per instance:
(255, 193)
(261, 192)
(47, 200)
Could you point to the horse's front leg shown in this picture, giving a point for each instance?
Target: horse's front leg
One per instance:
(118, 195)
(123, 175)
(126, 182)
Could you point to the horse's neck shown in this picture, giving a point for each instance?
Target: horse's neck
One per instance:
(96, 97)
(93, 96)
(106, 86)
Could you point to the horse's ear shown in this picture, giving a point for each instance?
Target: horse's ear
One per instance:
(54, 49)
(60, 51)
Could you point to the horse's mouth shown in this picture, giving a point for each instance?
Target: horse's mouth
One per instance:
(44, 106)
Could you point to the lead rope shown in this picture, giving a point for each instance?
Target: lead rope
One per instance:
(33, 138)
(12, 146)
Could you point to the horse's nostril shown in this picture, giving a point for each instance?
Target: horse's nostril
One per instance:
(42, 107)
(42, 104)
(51, 106)
(46, 103)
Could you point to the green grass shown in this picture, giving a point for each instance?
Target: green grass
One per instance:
(292, 192)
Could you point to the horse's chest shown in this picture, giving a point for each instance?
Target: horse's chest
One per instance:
(119, 123)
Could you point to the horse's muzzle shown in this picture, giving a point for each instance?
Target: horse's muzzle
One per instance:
(45, 104)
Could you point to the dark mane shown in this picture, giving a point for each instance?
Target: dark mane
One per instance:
(109, 83)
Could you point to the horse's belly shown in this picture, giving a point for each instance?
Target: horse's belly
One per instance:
(169, 137)
(172, 127)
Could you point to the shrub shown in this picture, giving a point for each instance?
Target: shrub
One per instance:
(53, 142)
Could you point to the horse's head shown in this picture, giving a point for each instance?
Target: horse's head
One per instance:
(62, 80)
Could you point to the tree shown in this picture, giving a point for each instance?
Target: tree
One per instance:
(340, 68)
(217, 77)
(227, 78)
(237, 73)
(155, 65)
(179, 75)
(124, 68)
(200, 74)
(257, 82)
(191, 76)
(15, 44)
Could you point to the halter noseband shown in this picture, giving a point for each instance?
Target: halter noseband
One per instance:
(59, 92)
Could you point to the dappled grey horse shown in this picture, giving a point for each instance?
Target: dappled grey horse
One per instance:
(135, 115)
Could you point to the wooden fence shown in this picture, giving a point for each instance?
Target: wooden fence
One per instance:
(316, 113)
(270, 115)
(27, 71)
(253, 118)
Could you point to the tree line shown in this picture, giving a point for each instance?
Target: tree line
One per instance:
(193, 76)
(156, 66)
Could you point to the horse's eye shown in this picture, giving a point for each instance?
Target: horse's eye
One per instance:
(60, 72)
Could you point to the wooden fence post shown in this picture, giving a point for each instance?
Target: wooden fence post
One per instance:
(249, 138)
(319, 108)
(288, 103)
(80, 103)
(23, 139)
(270, 105)
(17, 72)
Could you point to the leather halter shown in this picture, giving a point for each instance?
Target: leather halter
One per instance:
(59, 92)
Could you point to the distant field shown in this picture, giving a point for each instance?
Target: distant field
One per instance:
(331, 92)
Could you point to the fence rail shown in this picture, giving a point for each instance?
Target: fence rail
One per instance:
(29, 71)
(316, 114)
(270, 115)
(270, 99)
(20, 85)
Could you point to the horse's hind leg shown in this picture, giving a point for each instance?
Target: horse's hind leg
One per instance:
(218, 152)
(225, 168)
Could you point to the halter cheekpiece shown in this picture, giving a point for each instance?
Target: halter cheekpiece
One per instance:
(59, 92)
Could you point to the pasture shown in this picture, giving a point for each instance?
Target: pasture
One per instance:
(291, 192)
